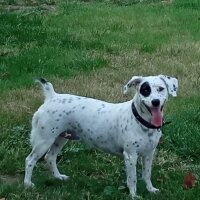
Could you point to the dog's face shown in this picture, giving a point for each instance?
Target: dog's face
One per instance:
(152, 93)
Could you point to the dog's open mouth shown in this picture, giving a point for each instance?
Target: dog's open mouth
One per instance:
(156, 115)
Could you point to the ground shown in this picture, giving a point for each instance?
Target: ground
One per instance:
(92, 48)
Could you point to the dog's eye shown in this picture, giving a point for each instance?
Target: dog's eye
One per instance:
(160, 89)
(145, 89)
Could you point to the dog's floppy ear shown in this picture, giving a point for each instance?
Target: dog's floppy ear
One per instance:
(171, 83)
(134, 81)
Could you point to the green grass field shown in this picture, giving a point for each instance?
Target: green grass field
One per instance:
(91, 48)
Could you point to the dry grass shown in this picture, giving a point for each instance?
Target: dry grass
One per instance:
(107, 83)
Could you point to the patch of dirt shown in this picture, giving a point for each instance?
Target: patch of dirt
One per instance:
(5, 51)
(27, 5)
(44, 7)
(10, 179)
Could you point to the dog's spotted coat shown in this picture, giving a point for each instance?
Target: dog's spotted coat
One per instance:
(106, 126)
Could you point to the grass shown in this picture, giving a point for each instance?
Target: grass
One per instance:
(92, 48)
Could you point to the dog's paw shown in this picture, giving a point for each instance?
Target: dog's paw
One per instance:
(153, 190)
(29, 185)
(62, 177)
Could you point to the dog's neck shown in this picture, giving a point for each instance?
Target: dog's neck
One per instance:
(142, 115)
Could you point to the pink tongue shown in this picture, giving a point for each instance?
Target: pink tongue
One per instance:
(156, 119)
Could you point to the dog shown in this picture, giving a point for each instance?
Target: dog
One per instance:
(131, 129)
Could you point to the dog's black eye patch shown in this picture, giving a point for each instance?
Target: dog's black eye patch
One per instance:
(145, 89)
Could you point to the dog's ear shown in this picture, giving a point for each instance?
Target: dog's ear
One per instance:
(134, 81)
(171, 83)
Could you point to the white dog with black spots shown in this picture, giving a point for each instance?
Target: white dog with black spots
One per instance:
(131, 129)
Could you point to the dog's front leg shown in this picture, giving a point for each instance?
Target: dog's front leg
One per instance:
(147, 165)
(130, 162)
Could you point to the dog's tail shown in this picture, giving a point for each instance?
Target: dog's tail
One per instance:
(47, 87)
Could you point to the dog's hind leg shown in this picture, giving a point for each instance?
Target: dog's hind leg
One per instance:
(51, 157)
(39, 149)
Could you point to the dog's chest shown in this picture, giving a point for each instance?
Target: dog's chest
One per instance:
(148, 142)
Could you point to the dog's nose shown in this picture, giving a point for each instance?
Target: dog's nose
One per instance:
(155, 102)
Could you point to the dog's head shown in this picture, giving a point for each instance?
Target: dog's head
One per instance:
(152, 93)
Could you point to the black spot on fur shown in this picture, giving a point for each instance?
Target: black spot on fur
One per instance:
(145, 89)
(126, 128)
(67, 113)
(63, 101)
(134, 143)
(52, 130)
(83, 107)
(174, 87)
(144, 130)
(70, 100)
(150, 134)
